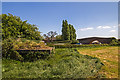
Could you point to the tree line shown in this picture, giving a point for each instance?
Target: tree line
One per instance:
(68, 33)
(13, 26)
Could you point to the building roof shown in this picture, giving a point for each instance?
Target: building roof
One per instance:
(95, 38)
(90, 39)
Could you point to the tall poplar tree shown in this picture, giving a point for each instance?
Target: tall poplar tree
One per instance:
(73, 32)
(63, 30)
(68, 31)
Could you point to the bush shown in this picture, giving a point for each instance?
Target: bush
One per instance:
(114, 42)
(67, 45)
(74, 41)
(33, 55)
(65, 41)
(7, 47)
(8, 50)
(15, 55)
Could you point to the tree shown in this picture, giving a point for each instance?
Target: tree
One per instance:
(63, 30)
(74, 34)
(71, 32)
(50, 35)
(58, 37)
(68, 31)
(13, 26)
(46, 37)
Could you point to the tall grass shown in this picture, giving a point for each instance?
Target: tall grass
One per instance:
(65, 63)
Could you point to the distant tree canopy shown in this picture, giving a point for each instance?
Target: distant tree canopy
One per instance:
(58, 38)
(68, 31)
(13, 26)
(50, 35)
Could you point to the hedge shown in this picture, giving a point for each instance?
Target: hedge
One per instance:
(33, 55)
(75, 45)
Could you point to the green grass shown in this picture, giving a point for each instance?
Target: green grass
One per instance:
(108, 55)
(65, 63)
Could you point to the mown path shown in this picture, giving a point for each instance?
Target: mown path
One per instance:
(109, 57)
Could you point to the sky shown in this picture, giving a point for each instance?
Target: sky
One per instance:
(90, 19)
(59, 0)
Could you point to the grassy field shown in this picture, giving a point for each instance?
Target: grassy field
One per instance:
(108, 56)
(65, 63)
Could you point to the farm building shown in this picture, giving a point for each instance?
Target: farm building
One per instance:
(95, 40)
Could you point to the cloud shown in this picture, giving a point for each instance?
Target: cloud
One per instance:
(103, 27)
(112, 31)
(99, 27)
(85, 29)
(114, 26)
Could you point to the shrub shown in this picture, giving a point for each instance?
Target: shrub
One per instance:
(67, 45)
(33, 55)
(114, 42)
(8, 50)
(74, 41)
(7, 47)
(65, 41)
(15, 55)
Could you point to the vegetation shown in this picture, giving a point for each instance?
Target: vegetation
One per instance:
(109, 57)
(68, 31)
(10, 46)
(114, 42)
(7, 47)
(28, 44)
(74, 41)
(58, 38)
(50, 35)
(65, 63)
(13, 26)
(13, 29)
(68, 45)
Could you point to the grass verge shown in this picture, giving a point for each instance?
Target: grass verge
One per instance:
(108, 56)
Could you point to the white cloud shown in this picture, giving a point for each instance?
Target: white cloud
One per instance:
(103, 27)
(99, 27)
(112, 31)
(85, 29)
(114, 26)
(99, 31)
